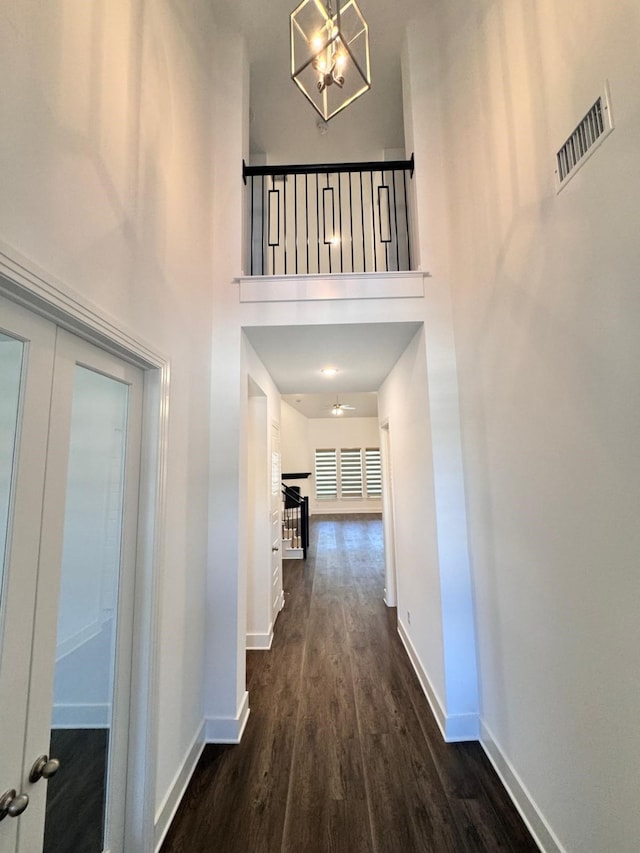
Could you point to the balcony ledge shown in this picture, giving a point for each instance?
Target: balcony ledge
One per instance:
(314, 287)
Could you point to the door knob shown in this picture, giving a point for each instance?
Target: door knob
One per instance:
(44, 768)
(275, 548)
(12, 803)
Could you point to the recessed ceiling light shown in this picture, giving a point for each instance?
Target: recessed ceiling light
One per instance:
(329, 371)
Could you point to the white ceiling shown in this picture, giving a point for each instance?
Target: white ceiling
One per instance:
(363, 354)
(364, 130)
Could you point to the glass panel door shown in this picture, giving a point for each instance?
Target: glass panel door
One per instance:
(26, 368)
(11, 359)
(80, 688)
(70, 426)
(87, 615)
(11, 352)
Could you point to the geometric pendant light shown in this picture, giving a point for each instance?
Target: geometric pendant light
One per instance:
(330, 54)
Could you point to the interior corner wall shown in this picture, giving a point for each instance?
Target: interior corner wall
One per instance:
(226, 705)
(545, 302)
(105, 178)
(403, 402)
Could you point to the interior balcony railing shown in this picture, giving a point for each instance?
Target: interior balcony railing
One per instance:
(330, 218)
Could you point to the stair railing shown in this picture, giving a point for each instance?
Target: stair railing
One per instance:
(329, 218)
(295, 518)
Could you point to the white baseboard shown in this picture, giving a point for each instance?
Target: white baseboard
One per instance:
(173, 797)
(542, 833)
(454, 727)
(260, 642)
(81, 716)
(292, 554)
(228, 729)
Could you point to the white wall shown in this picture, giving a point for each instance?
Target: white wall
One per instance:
(545, 303)
(433, 582)
(345, 432)
(105, 183)
(226, 701)
(296, 457)
(403, 403)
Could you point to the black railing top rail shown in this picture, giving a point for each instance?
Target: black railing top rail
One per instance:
(293, 495)
(329, 168)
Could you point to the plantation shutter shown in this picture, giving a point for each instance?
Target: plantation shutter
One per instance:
(351, 472)
(373, 472)
(326, 474)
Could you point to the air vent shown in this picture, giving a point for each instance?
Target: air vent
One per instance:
(588, 135)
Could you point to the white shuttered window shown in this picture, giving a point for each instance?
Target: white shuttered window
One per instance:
(351, 472)
(326, 474)
(373, 472)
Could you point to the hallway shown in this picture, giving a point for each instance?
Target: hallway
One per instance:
(341, 752)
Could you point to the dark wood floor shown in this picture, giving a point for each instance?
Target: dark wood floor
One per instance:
(341, 753)
(75, 795)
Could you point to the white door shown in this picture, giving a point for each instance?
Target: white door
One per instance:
(68, 508)
(276, 523)
(26, 367)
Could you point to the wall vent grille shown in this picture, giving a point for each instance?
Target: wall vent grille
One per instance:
(587, 136)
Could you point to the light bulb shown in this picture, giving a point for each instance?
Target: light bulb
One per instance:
(341, 61)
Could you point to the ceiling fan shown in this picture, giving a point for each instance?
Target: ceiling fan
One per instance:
(339, 408)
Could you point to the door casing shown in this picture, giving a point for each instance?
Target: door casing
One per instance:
(22, 282)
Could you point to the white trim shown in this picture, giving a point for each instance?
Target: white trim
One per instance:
(143, 744)
(427, 688)
(346, 510)
(23, 281)
(292, 553)
(260, 642)
(531, 814)
(314, 287)
(228, 729)
(81, 715)
(388, 516)
(462, 728)
(454, 727)
(169, 806)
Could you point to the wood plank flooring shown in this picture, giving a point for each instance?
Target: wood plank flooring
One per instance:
(75, 795)
(341, 753)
